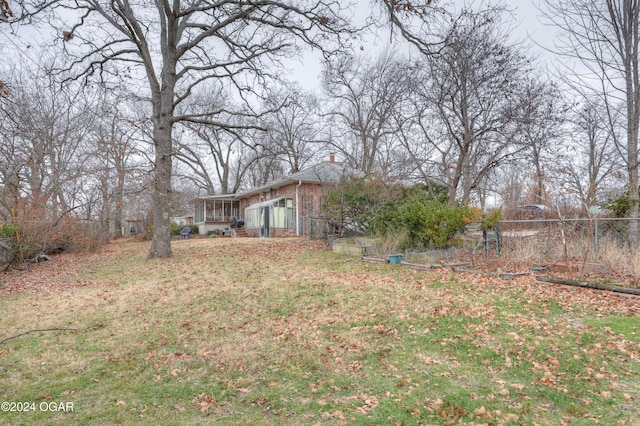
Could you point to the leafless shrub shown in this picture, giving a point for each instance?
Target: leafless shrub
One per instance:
(528, 243)
(29, 234)
(431, 257)
(388, 244)
(619, 257)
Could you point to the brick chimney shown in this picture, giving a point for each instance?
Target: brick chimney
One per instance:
(332, 158)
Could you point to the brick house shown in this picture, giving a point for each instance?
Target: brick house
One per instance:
(282, 208)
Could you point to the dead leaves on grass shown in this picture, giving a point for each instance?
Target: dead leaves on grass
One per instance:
(364, 404)
(264, 255)
(58, 274)
(390, 298)
(205, 403)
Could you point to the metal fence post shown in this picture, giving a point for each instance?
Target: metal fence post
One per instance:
(596, 240)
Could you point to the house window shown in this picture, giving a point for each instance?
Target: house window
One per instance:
(290, 222)
(283, 213)
(199, 213)
(251, 219)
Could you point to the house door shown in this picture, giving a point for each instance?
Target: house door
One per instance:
(264, 223)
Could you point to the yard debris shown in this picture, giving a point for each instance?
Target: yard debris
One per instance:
(597, 286)
(59, 273)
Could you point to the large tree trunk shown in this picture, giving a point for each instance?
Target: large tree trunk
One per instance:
(163, 141)
(453, 185)
(163, 116)
(631, 39)
(633, 184)
(103, 226)
(161, 241)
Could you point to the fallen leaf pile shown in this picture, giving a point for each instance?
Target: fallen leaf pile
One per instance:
(59, 273)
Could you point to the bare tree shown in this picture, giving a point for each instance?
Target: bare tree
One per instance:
(117, 154)
(591, 160)
(417, 135)
(5, 15)
(510, 185)
(363, 97)
(415, 21)
(265, 168)
(540, 116)
(171, 48)
(212, 156)
(45, 131)
(218, 159)
(469, 90)
(43, 152)
(293, 126)
(5, 11)
(604, 37)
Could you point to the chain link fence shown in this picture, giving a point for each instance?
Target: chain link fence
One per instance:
(320, 228)
(602, 243)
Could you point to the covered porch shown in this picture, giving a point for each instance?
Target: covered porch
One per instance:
(214, 213)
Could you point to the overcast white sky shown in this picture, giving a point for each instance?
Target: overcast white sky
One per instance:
(527, 26)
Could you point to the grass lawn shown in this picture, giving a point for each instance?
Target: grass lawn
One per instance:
(277, 332)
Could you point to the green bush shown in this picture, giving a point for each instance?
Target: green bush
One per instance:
(490, 220)
(431, 224)
(420, 213)
(620, 205)
(427, 223)
(8, 230)
(353, 203)
(367, 204)
(387, 219)
(8, 242)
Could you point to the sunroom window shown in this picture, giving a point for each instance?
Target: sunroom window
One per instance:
(276, 213)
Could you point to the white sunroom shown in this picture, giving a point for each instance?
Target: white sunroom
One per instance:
(271, 217)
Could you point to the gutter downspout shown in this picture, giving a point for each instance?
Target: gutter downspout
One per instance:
(298, 210)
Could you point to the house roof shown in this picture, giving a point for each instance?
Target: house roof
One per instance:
(325, 172)
(266, 203)
(223, 197)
